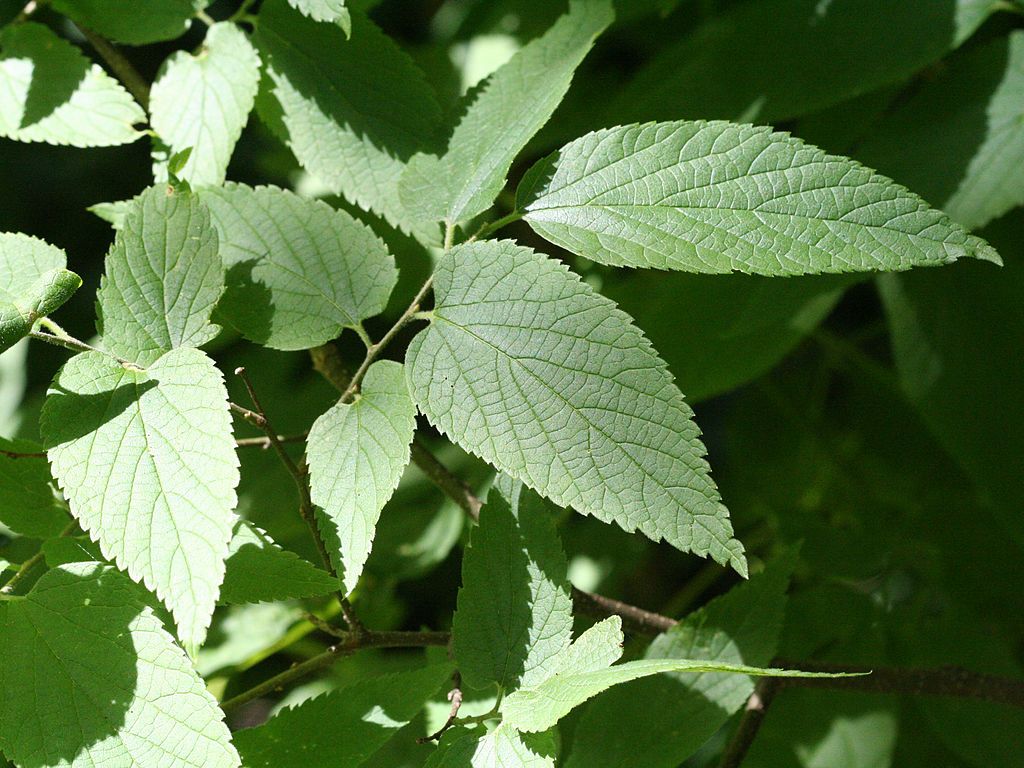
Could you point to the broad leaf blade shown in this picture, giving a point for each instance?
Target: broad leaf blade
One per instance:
(33, 283)
(50, 92)
(258, 570)
(719, 197)
(682, 711)
(355, 110)
(163, 277)
(147, 462)
(540, 707)
(91, 679)
(203, 101)
(298, 271)
(343, 727)
(357, 453)
(514, 104)
(28, 504)
(149, 21)
(527, 367)
(514, 615)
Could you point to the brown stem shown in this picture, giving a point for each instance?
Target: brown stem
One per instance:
(455, 697)
(299, 476)
(20, 455)
(265, 442)
(29, 565)
(120, 66)
(354, 642)
(750, 722)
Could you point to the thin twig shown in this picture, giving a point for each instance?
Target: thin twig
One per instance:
(29, 565)
(20, 455)
(455, 697)
(265, 442)
(301, 479)
(750, 722)
(354, 642)
(452, 485)
(374, 350)
(120, 66)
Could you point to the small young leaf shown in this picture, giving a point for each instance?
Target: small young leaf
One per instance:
(147, 462)
(50, 92)
(333, 11)
(33, 283)
(720, 197)
(92, 680)
(148, 21)
(586, 671)
(28, 505)
(258, 570)
(202, 101)
(514, 104)
(298, 271)
(527, 367)
(514, 616)
(163, 277)
(354, 139)
(343, 727)
(682, 711)
(113, 212)
(357, 453)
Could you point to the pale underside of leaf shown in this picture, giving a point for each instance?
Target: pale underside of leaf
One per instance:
(718, 197)
(203, 101)
(530, 369)
(357, 453)
(163, 277)
(504, 747)
(513, 105)
(587, 672)
(50, 92)
(333, 11)
(298, 271)
(92, 680)
(146, 460)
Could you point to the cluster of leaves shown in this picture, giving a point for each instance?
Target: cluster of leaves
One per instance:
(140, 585)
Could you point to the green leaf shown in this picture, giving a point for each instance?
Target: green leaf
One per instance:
(513, 105)
(33, 283)
(729, 67)
(258, 570)
(92, 680)
(366, 714)
(354, 116)
(719, 197)
(147, 462)
(527, 367)
(50, 92)
(585, 671)
(682, 711)
(333, 11)
(514, 615)
(163, 277)
(504, 747)
(992, 184)
(203, 101)
(243, 633)
(298, 271)
(357, 453)
(28, 505)
(148, 22)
